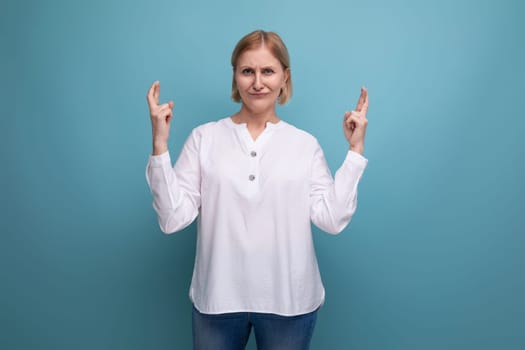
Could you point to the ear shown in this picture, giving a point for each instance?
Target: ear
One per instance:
(286, 74)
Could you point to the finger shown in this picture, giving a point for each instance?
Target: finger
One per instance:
(364, 108)
(355, 114)
(151, 95)
(360, 102)
(347, 119)
(164, 114)
(354, 121)
(168, 105)
(156, 92)
(165, 110)
(363, 100)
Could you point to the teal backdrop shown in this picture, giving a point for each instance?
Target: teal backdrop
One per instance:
(435, 255)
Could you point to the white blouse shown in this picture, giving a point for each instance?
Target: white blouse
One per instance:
(254, 201)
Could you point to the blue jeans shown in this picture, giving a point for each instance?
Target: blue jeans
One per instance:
(230, 331)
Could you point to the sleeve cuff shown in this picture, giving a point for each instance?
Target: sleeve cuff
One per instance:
(356, 159)
(160, 160)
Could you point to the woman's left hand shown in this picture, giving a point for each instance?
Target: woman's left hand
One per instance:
(355, 122)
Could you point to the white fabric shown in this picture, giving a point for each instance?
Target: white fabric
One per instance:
(254, 244)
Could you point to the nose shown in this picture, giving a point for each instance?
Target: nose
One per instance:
(257, 83)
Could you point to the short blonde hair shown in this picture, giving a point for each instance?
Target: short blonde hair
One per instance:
(276, 46)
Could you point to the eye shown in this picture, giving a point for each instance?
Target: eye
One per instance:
(247, 71)
(267, 71)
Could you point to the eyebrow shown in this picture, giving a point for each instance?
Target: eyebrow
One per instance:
(262, 67)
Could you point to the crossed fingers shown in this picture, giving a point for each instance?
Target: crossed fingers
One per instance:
(164, 110)
(357, 117)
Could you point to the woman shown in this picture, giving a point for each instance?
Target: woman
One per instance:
(255, 183)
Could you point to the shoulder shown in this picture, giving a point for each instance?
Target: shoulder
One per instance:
(210, 128)
(204, 128)
(299, 136)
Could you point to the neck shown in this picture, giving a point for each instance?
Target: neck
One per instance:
(256, 122)
(255, 119)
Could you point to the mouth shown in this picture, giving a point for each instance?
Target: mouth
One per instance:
(258, 94)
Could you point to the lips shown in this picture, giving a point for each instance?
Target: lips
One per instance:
(259, 94)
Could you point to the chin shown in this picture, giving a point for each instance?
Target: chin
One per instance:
(257, 108)
(260, 105)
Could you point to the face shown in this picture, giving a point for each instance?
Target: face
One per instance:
(259, 77)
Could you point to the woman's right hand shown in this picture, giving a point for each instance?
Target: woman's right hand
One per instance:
(160, 116)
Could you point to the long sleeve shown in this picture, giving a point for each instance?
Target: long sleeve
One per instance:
(334, 201)
(176, 191)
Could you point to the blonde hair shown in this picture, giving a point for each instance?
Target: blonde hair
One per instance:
(276, 46)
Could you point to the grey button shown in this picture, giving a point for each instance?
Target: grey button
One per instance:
(251, 177)
(253, 153)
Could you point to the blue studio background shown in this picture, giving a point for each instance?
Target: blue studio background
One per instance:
(435, 255)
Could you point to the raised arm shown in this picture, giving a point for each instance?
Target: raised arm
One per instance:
(334, 201)
(176, 190)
